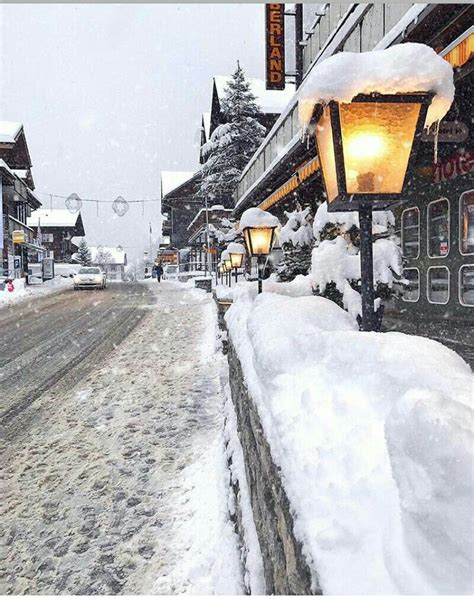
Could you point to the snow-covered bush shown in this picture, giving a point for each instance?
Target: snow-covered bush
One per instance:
(335, 267)
(296, 240)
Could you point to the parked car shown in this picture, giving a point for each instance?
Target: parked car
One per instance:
(170, 272)
(90, 277)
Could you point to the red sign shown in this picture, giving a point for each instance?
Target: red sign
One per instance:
(460, 163)
(275, 46)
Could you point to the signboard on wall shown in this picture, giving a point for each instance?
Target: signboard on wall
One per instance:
(275, 46)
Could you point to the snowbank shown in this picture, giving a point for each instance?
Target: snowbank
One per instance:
(24, 292)
(255, 217)
(372, 435)
(403, 68)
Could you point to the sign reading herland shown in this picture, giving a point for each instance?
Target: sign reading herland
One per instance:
(275, 45)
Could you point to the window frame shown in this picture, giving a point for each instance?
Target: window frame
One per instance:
(419, 285)
(459, 286)
(428, 229)
(419, 231)
(428, 285)
(460, 223)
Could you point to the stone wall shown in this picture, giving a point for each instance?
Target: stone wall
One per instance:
(285, 568)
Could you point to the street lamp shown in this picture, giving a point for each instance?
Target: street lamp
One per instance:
(259, 228)
(366, 150)
(236, 253)
(225, 258)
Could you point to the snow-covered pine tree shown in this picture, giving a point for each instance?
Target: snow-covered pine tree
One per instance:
(296, 240)
(83, 253)
(233, 143)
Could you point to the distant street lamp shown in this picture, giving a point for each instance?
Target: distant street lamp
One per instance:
(236, 253)
(259, 229)
(366, 150)
(225, 258)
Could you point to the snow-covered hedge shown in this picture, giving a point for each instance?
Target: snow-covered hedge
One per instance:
(373, 436)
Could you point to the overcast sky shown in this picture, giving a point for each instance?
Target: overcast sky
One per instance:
(110, 95)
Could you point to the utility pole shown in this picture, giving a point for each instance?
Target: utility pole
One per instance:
(151, 257)
(299, 44)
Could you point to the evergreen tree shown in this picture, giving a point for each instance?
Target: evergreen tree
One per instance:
(83, 253)
(296, 239)
(233, 143)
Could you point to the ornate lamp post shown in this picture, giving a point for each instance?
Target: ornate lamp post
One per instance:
(366, 151)
(259, 229)
(237, 253)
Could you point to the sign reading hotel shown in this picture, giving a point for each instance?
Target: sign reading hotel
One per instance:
(275, 46)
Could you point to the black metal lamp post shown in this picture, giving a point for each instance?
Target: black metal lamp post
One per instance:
(259, 241)
(366, 151)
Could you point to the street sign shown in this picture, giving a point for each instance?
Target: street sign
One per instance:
(449, 132)
(48, 269)
(275, 46)
(18, 236)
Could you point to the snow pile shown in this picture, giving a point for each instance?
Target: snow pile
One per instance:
(23, 292)
(235, 248)
(255, 217)
(403, 68)
(297, 230)
(336, 259)
(372, 435)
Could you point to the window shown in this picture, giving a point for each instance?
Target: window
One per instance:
(466, 285)
(411, 291)
(466, 222)
(438, 285)
(411, 233)
(438, 229)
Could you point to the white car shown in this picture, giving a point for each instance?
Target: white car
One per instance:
(90, 277)
(170, 272)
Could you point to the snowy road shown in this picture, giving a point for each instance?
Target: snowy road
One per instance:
(104, 476)
(59, 338)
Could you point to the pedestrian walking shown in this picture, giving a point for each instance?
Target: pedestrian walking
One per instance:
(158, 272)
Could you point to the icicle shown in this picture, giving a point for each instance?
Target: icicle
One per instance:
(436, 137)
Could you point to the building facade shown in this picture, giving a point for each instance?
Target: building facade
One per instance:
(56, 229)
(435, 222)
(18, 243)
(112, 260)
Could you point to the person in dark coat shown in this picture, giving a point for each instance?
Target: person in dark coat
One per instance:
(158, 272)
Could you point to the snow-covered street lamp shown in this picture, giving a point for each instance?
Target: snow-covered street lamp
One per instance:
(366, 150)
(226, 261)
(367, 111)
(236, 253)
(259, 229)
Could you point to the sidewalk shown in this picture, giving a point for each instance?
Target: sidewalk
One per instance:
(121, 487)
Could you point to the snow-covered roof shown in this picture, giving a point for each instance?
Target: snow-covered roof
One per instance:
(21, 173)
(53, 218)
(170, 180)
(206, 119)
(403, 68)
(117, 256)
(216, 208)
(9, 131)
(270, 101)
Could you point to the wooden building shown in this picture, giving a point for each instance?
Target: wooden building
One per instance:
(56, 229)
(17, 201)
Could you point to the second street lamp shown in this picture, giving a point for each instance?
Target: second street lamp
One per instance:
(259, 229)
(366, 151)
(236, 253)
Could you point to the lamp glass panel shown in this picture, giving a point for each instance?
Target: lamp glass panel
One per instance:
(377, 138)
(236, 260)
(259, 240)
(228, 264)
(325, 141)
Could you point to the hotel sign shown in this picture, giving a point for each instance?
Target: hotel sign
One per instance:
(275, 46)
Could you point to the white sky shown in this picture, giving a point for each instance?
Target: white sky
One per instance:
(110, 95)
